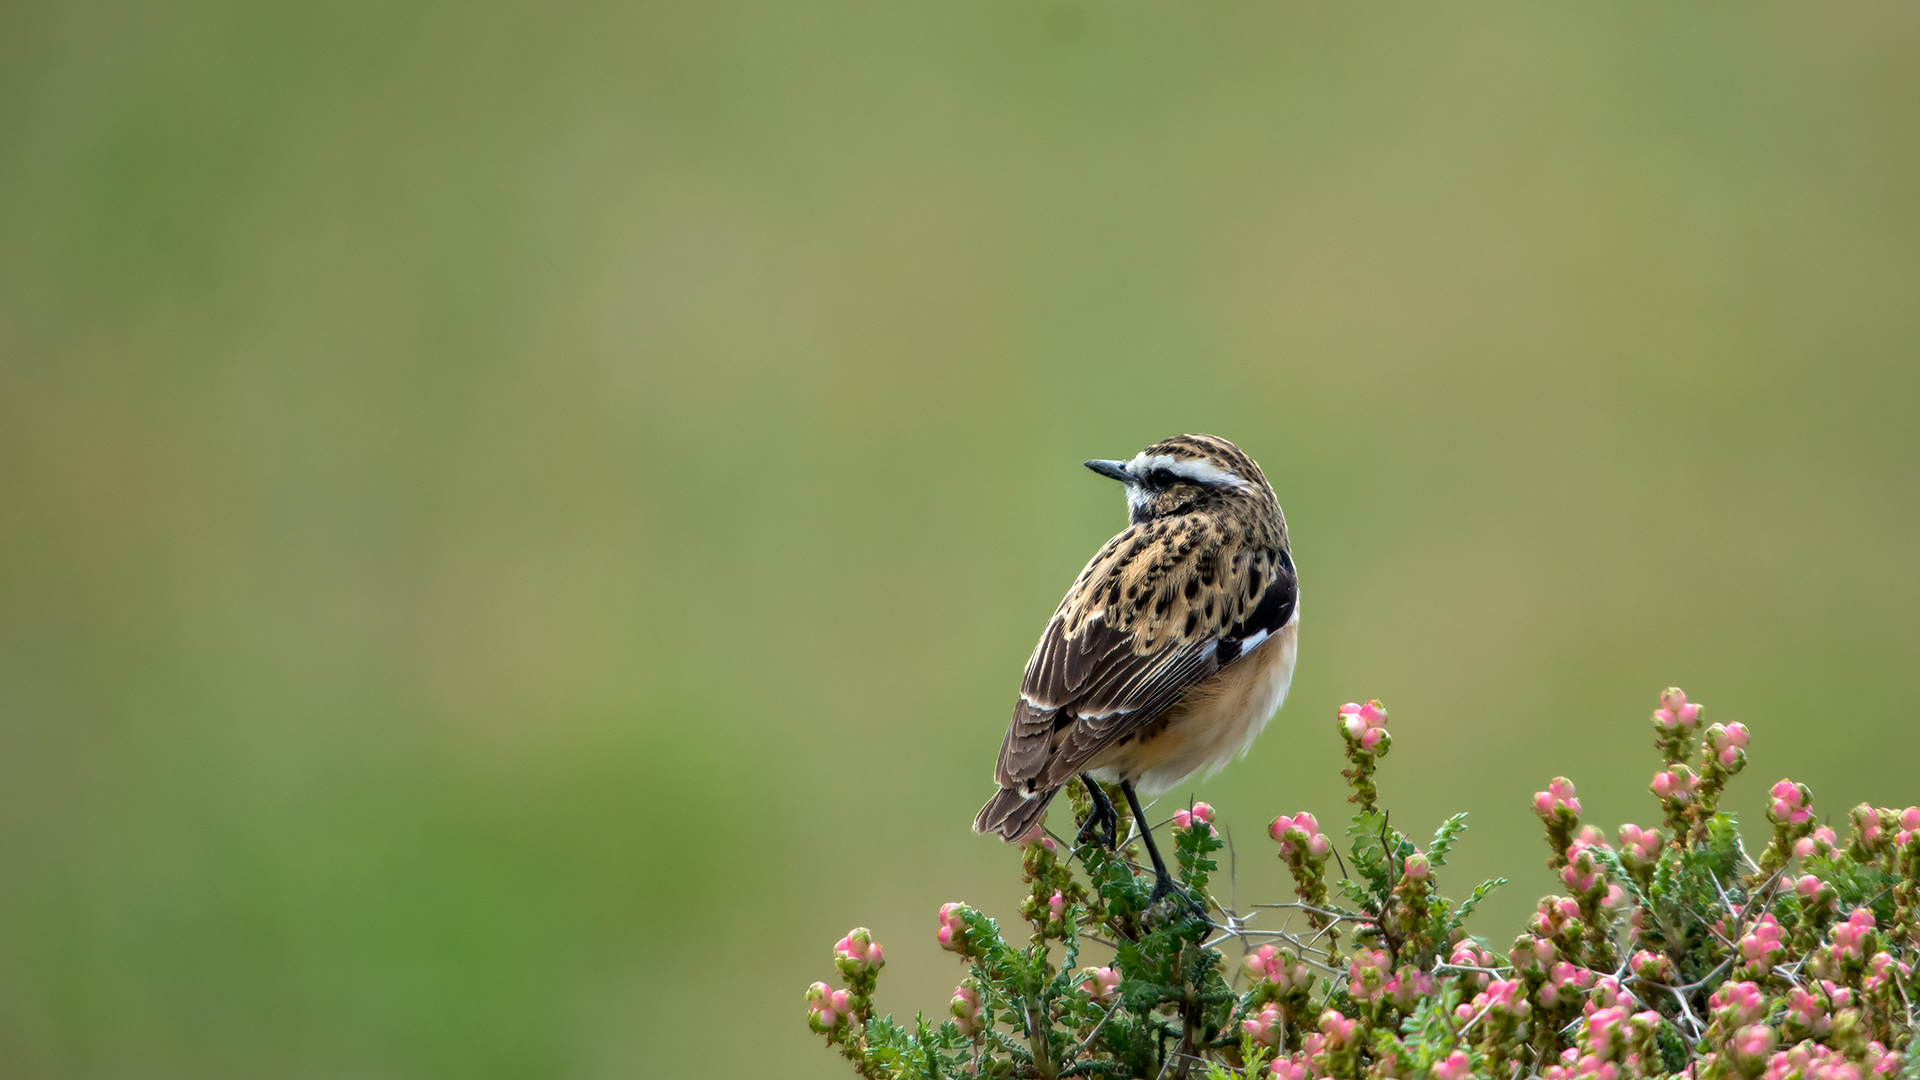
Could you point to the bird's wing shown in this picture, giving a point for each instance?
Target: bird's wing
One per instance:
(1159, 609)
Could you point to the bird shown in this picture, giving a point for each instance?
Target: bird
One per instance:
(1169, 654)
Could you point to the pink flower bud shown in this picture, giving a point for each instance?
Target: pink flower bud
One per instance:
(1364, 724)
(968, 1014)
(1336, 1027)
(1100, 983)
(857, 952)
(1741, 1002)
(1056, 906)
(1289, 1068)
(1651, 966)
(1264, 1026)
(1454, 1067)
(1910, 819)
(1182, 820)
(825, 1008)
(1556, 799)
(1753, 1041)
(1256, 961)
(1278, 830)
(953, 928)
(1417, 867)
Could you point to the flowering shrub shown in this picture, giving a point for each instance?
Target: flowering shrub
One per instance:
(1672, 950)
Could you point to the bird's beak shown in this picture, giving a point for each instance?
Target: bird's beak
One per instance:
(1116, 470)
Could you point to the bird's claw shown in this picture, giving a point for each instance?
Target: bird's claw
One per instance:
(1164, 887)
(1097, 823)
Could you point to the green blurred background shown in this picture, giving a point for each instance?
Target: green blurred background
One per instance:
(519, 524)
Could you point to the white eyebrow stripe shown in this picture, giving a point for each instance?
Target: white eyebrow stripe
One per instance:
(1200, 472)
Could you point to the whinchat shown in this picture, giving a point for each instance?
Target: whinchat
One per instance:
(1169, 654)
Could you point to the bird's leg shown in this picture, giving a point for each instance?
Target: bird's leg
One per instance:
(1104, 817)
(1163, 885)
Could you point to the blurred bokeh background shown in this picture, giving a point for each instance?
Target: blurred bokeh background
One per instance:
(521, 523)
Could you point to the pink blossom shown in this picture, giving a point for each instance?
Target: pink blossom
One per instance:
(1726, 743)
(1755, 1041)
(1364, 724)
(1763, 947)
(1263, 1027)
(1600, 1028)
(1581, 875)
(1866, 822)
(1807, 1011)
(1822, 843)
(1408, 987)
(1506, 995)
(1791, 803)
(1880, 971)
(1416, 868)
(825, 1007)
(953, 928)
(1639, 846)
(1056, 906)
(1558, 799)
(1741, 1002)
(1531, 952)
(1201, 813)
(1652, 966)
(1608, 994)
(1847, 935)
(1336, 1027)
(1366, 974)
(1809, 887)
(1100, 983)
(1454, 1067)
(1282, 969)
(857, 952)
(1675, 784)
(1289, 1068)
(1679, 711)
(1299, 832)
(1467, 954)
(1565, 983)
(1038, 835)
(967, 1011)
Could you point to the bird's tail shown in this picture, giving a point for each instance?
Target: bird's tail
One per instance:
(1011, 813)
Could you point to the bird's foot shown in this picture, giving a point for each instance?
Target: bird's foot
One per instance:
(1164, 887)
(1103, 821)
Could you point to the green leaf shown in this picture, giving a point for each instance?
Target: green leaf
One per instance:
(1444, 837)
(1480, 893)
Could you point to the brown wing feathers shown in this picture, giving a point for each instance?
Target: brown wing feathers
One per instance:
(1141, 625)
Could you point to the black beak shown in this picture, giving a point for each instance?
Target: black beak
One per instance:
(1115, 470)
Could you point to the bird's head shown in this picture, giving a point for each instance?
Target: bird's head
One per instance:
(1186, 474)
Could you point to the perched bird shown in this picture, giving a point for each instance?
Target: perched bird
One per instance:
(1170, 652)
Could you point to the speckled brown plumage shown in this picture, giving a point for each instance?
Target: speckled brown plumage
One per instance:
(1201, 574)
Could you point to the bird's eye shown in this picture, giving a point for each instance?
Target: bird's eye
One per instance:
(1162, 478)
